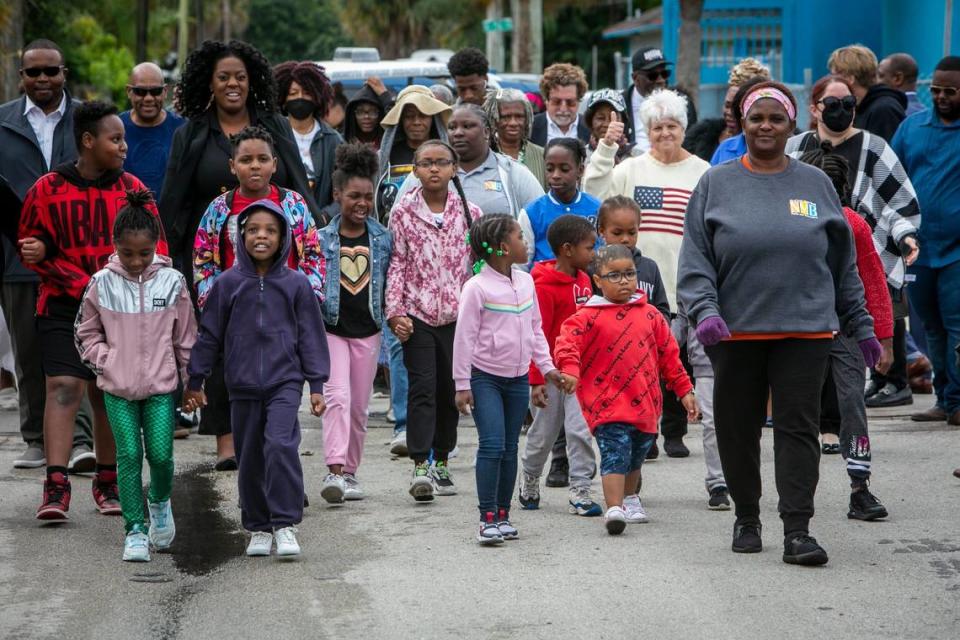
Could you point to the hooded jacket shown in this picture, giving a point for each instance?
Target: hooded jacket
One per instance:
(135, 332)
(323, 152)
(881, 111)
(74, 219)
(619, 353)
(207, 259)
(268, 327)
(365, 95)
(388, 190)
(559, 295)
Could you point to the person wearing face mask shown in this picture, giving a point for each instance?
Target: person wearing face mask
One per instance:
(650, 72)
(304, 93)
(882, 193)
(562, 87)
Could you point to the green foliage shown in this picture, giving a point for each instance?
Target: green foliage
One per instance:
(295, 29)
(99, 59)
(570, 32)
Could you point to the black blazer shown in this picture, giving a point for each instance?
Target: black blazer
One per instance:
(539, 133)
(627, 94)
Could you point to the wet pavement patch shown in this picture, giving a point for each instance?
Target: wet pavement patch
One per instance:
(206, 539)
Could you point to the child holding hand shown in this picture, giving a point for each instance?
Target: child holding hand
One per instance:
(613, 352)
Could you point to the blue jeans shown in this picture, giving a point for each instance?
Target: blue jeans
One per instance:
(398, 380)
(500, 404)
(623, 447)
(936, 297)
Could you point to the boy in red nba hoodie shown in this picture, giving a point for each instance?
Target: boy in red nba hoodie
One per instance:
(562, 285)
(613, 352)
(66, 235)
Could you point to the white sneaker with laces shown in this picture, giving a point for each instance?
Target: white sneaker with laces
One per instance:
(287, 545)
(260, 543)
(333, 489)
(633, 510)
(136, 547)
(398, 446)
(615, 520)
(353, 489)
(162, 527)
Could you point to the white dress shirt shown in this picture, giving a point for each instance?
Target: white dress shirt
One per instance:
(554, 131)
(44, 124)
(639, 131)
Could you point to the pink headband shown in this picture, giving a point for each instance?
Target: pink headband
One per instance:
(769, 92)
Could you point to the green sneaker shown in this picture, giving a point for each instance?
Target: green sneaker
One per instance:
(442, 482)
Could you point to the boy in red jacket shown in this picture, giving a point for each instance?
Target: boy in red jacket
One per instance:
(561, 285)
(65, 235)
(613, 352)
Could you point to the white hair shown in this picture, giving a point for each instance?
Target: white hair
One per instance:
(664, 105)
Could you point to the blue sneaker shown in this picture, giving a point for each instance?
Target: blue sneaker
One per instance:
(582, 504)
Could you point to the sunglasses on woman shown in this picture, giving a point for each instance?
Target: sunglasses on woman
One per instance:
(50, 72)
(832, 102)
(654, 74)
(142, 92)
(949, 92)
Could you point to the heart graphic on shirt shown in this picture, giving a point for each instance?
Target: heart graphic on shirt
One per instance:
(354, 268)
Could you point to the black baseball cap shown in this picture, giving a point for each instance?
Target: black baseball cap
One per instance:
(648, 58)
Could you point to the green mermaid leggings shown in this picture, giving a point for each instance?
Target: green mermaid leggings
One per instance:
(138, 425)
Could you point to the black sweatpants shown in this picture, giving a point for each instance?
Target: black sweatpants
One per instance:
(673, 423)
(432, 414)
(793, 370)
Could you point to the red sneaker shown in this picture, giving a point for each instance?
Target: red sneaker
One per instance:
(106, 494)
(56, 498)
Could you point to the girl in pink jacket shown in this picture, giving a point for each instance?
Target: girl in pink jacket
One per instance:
(135, 330)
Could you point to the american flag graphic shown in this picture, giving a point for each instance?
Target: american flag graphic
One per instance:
(663, 209)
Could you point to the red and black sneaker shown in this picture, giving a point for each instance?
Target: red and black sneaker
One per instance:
(56, 498)
(106, 494)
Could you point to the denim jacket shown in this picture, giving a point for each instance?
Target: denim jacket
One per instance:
(381, 248)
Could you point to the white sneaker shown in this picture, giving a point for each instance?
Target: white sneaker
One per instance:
(162, 528)
(136, 547)
(333, 489)
(398, 446)
(353, 491)
(260, 543)
(633, 510)
(453, 454)
(615, 520)
(287, 545)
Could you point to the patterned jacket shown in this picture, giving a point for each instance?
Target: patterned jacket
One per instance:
(883, 195)
(207, 259)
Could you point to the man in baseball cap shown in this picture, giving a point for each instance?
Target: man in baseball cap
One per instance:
(651, 71)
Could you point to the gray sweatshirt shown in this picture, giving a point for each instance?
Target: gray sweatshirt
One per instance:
(770, 253)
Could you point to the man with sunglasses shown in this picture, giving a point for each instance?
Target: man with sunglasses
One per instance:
(651, 71)
(928, 145)
(36, 135)
(149, 127)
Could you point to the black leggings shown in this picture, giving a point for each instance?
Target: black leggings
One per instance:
(432, 414)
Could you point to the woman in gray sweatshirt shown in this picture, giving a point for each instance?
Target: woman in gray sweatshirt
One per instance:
(768, 274)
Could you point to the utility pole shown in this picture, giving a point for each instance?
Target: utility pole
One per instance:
(225, 20)
(496, 52)
(183, 37)
(143, 17)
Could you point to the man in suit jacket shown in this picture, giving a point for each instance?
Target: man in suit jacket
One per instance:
(650, 72)
(36, 135)
(562, 86)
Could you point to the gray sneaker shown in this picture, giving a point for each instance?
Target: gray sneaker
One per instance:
(82, 460)
(354, 491)
(31, 458)
(333, 489)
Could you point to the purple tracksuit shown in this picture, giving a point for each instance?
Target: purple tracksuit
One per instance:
(270, 331)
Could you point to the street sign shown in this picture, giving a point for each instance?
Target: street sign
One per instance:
(503, 24)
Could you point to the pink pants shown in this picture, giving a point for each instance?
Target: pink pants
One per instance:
(353, 366)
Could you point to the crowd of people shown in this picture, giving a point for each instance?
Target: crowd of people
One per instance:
(599, 270)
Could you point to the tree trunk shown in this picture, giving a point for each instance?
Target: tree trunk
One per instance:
(688, 57)
(225, 20)
(527, 41)
(495, 46)
(11, 41)
(143, 18)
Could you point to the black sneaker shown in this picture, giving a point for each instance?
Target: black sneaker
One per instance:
(559, 475)
(653, 452)
(746, 538)
(865, 506)
(872, 387)
(802, 548)
(674, 448)
(890, 396)
(719, 499)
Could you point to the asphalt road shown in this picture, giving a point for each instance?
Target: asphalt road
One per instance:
(389, 568)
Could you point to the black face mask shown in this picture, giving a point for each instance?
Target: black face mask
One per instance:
(838, 113)
(300, 108)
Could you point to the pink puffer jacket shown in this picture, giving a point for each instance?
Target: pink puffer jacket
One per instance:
(136, 332)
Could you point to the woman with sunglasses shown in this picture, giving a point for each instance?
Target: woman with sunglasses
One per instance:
(881, 192)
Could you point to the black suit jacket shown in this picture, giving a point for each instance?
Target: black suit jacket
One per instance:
(539, 133)
(628, 100)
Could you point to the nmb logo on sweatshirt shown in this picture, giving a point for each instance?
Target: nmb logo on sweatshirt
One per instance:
(803, 208)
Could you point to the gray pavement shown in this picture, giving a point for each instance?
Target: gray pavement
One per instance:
(389, 568)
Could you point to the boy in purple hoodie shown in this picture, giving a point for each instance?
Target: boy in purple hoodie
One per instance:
(266, 320)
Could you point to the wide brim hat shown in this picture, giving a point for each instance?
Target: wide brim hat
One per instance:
(420, 97)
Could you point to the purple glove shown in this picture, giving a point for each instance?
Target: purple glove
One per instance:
(871, 350)
(713, 330)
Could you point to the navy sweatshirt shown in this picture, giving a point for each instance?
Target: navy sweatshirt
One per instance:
(269, 328)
